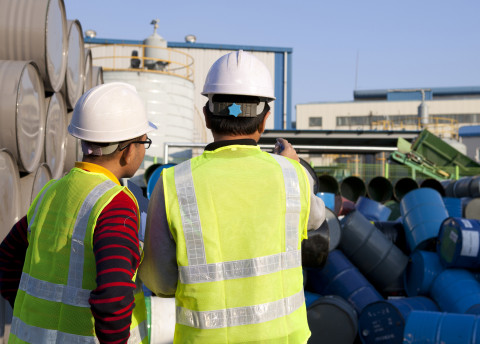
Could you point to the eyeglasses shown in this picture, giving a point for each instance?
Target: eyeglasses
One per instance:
(147, 144)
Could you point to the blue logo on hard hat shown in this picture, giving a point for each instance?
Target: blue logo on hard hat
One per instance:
(235, 110)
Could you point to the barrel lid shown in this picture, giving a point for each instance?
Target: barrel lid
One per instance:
(56, 44)
(9, 192)
(75, 74)
(30, 119)
(381, 322)
(56, 134)
(332, 320)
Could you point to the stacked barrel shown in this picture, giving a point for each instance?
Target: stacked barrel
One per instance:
(403, 262)
(42, 75)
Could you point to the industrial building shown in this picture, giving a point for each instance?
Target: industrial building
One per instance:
(442, 110)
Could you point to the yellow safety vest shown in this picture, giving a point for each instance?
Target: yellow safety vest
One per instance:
(59, 270)
(238, 216)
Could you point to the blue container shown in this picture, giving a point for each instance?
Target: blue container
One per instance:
(372, 252)
(340, 277)
(328, 198)
(332, 320)
(456, 291)
(453, 206)
(394, 232)
(423, 211)
(310, 298)
(459, 243)
(441, 328)
(422, 269)
(372, 210)
(384, 321)
(154, 178)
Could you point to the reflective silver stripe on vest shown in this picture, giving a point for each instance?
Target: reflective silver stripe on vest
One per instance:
(75, 271)
(240, 268)
(241, 315)
(138, 333)
(192, 229)
(293, 206)
(33, 334)
(37, 205)
(54, 292)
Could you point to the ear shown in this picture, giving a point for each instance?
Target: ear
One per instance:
(207, 120)
(261, 126)
(128, 154)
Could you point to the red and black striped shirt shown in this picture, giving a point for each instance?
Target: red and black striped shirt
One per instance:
(117, 255)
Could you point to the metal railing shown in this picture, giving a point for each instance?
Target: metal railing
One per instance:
(118, 57)
(440, 126)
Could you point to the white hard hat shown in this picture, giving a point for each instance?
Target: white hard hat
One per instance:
(111, 112)
(239, 73)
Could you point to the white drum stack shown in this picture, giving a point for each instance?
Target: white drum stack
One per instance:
(43, 73)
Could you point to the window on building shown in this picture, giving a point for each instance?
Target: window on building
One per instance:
(315, 121)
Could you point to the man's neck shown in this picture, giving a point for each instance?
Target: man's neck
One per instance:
(219, 137)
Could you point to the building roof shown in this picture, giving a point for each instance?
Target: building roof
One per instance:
(466, 91)
(469, 130)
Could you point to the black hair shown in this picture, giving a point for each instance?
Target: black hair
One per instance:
(230, 125)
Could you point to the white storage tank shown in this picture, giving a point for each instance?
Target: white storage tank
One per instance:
(169, 103)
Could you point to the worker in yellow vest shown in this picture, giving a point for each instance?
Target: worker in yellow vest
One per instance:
(224, 229)
(79, 242)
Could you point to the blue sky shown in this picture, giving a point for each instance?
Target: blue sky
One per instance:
(398, 44)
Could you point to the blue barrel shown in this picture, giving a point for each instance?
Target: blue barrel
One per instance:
(422, 269)
(353, 187)
(328, 198)
(384, 321)
(403, 186)
(340, 277)
(328, 183)
(456, 291)
(395, 210)
(369, 249)
(423, 211)
(459, 243)
(453, 206)
(475, 187)
(433, 184)
(461, 188)
(380, 189)
(332, 320)
(448, 185)
(152, 181)
(441, 328)
(372, 210)
(310, 298)
(394, 232)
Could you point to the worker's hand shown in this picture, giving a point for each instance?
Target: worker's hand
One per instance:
(284, 148)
